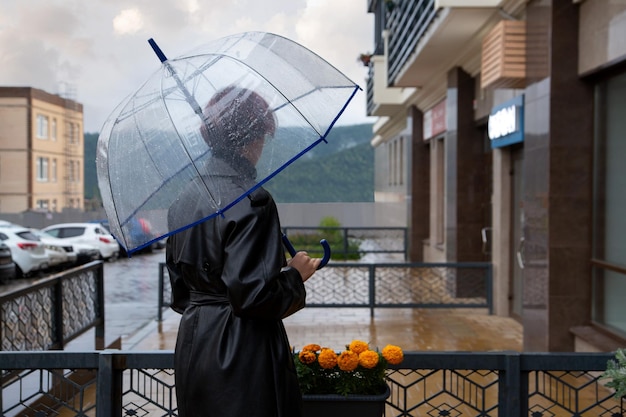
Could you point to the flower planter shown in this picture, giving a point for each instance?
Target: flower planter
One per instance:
(333, 405)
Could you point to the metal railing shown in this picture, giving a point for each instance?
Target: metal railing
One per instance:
(52, 311)
(387, 285)
(351, 242)
(407, 23)
(503, 384)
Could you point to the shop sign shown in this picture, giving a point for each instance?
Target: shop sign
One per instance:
(506, 123)
(435, 120)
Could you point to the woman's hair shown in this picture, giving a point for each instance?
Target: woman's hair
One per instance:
(235, 117)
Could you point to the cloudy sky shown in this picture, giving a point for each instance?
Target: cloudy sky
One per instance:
(97, 52)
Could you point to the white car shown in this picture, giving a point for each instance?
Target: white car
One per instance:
(57, 256)
(64, 253)
(28, 252)
(93, 234)
(77, 253)
(60, 252)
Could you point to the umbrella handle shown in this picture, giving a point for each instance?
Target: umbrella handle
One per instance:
(292, 251)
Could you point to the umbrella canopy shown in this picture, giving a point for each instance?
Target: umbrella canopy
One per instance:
(195, 112)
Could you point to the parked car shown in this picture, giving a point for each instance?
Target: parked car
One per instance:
(7, 266)
(90, 233)
(142, 231)
(85, 253)
(27, 251)
(57, 256)
(75, 252)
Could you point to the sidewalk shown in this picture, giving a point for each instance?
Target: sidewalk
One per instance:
(412, 329)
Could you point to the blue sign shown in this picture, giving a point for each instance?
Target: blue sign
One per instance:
(506, 123)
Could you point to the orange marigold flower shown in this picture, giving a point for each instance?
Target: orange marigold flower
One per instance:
(312, 347)
(307, 357)
(327, 358)
(368, 359)
(348, 360)
(393, 354)
(358, 346)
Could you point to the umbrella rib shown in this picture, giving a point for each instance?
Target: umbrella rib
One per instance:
(260, 183)
(191, 78)
(197, 109)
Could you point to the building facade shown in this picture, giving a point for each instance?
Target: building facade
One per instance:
(41, 151)
(508, 119)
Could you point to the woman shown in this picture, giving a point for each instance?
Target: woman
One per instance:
(231, 281)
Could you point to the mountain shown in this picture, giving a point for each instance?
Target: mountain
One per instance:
(91, 178)
(341, 170)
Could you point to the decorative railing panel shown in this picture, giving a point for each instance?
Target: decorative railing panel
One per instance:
(407, 23)
(388, 285)
(493, 384)
(54, 310)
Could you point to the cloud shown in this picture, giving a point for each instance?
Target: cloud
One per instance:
(128, 21)
(98, 49)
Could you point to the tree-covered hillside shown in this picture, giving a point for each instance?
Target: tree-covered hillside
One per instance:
(340, 171)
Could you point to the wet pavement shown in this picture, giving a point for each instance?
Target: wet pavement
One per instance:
(131, 300)
(469, 330)
(131, 291)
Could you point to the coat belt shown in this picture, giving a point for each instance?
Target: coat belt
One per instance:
(198, 298)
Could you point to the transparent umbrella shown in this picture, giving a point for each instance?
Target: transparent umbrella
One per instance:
(177, 130)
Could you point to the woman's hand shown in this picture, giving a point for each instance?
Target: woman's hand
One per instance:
(304, 264)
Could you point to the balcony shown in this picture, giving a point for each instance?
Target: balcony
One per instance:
(114, 383)
(381, 99)
(426, 37)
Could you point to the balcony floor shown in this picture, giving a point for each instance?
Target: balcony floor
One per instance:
(412, 329)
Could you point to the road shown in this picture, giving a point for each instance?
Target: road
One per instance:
(130, 298)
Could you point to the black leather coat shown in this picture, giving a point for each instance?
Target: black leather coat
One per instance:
(230, 282)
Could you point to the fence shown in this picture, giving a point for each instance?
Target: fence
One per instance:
(350, 243)
(504, 384)
(388, 285)
(53, 311)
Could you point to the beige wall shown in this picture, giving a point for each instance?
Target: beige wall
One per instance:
(14, 123)
(62, 189)
(13, 155)
(20, 149)
(602, 36)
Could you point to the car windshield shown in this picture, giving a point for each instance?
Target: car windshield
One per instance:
(41, 233)
(64, 232)
(27, 235)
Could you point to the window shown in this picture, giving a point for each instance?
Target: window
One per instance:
(73, 133)
(42, 169)
(53, 129)
(74, 171)
(42, 126)
(53, 170)
(42, 204)
(400, 161)
(609, 222)
(437, 186)
(395, 162)
(389, 164)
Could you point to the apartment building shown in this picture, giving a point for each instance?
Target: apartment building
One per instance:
(41, 151)
(501, 127)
